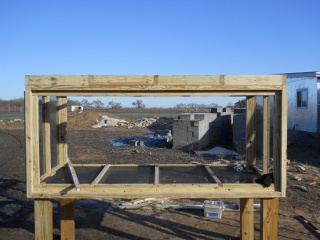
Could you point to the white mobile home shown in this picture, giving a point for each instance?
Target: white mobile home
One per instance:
(304, 101)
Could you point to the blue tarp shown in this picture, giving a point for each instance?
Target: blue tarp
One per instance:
(149, 141)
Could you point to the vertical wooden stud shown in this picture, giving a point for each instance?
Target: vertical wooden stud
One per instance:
(35, 142)
(67, 225)
(266, 134)
(46, 134)
(43, 219)
(62, 151)
(29, 138)
(280, 140)
(277, 141)
(284, 132)
(246, 218)
(269, 219)
(251, 131)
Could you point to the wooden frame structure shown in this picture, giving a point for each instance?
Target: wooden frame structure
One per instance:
(61, 86)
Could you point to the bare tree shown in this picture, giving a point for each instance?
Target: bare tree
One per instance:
(139, 104)
(241, 104)
(85, 103)
(114, 105)
(97, 103)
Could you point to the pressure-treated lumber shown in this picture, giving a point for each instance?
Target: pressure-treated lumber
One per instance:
(213, 175)
(43, 219)
(67, 230)
(142, 83)
(61, 121)
(103, 171)
(246, 218)
(264, 85)
(269, 219)
(266, 134)
(61, 86)
(46, 135)
(280, 142)
(251, 131)
(157, 191)
(73, 174)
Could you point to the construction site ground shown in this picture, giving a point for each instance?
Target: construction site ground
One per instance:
(103, 219)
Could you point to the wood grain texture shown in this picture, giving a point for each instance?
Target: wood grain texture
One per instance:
(28, 139)
(269, 219)
(46, 143)
(251, 131)
(43, 219)
(142, 83)
(152, 190)
(246, 218)
(284, 138)
(266, 134)
(35, 142)
(67, 225)
(61, 123)
(213, 175)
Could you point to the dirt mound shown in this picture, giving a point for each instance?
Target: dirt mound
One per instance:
(82, 120)
(85, 119)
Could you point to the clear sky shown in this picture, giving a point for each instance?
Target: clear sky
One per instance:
(162, 37)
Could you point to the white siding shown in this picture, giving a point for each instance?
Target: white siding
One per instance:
(302, 119)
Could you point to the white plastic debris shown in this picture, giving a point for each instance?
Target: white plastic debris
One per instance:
(219, 151)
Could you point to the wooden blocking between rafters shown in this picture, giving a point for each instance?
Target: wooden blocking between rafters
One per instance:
(251, 131)
(43, 219)
(67, 226)
(269, 219)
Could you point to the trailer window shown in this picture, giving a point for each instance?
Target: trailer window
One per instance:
(302, 98)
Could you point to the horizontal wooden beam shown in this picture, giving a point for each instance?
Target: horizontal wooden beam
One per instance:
(165, 93)
(152, 190)
(156, 83)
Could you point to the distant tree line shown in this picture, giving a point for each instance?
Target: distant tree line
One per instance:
(14, 102)
(116, 105)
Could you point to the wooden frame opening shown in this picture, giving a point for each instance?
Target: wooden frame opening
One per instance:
(100, 180)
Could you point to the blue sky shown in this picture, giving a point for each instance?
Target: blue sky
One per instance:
(156, 37)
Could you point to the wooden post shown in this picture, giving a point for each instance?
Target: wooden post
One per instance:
(269, 219)
(266, 134)
(251, 131)
(46, 135)
(62, 151)
(43, 219)
(246, 218)
(67, 231)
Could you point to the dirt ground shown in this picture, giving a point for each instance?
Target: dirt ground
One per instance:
(101, 219)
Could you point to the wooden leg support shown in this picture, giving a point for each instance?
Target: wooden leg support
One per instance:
(269, 219)
(246, 218)
(43, 219)
(67, 230)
